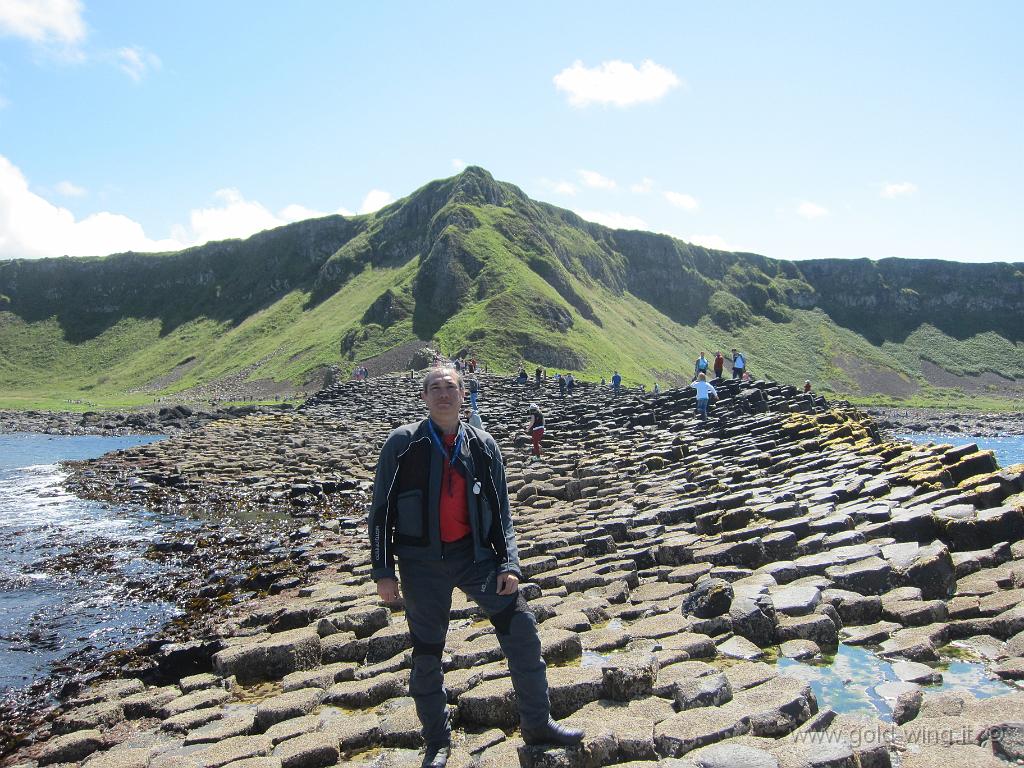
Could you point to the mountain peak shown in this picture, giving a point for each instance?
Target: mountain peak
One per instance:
(476, 185)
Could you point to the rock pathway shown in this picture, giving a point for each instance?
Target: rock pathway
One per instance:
(662, 555)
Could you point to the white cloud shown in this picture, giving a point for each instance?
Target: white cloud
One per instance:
(32, 227)
(901, 189)
(642, 187)
(615, 82)
(559, 187)
(375, 200)
(69, 189)
(237, 217)
(296, 212)
(595, 180)
(136, 62)
(680, 200)
(613, 219)
(810, 210)
(710, 241)
(458, 165)
(43, 21)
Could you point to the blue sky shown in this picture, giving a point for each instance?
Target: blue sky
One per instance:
(792, 129)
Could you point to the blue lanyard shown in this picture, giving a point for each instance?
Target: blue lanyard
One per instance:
(456, 450)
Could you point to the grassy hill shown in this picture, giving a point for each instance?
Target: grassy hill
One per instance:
(475, 264)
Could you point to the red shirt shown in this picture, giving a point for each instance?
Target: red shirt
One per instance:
(453, 506)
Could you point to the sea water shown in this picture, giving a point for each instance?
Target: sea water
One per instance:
(71, 571)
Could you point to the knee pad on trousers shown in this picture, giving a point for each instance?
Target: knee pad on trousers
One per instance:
(420, 648)
(502, 620)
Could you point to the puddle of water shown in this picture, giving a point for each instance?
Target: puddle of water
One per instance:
(857, 681)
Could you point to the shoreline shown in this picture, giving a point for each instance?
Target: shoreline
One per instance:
(946, 421)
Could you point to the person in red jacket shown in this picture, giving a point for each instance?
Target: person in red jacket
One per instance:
(719, 365)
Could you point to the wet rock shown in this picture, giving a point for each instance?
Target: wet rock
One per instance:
(800, 649)
(914, 672)
(739, 648)
(753, 618)
(816, 627)
(710, 597)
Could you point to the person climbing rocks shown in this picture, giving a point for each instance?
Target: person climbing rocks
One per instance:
(701, 366)
(739, 364)
(656, 390)
(522, 377)
(474, 392)
(535, 428)
(719, 364)
(570, 384)
(705, 391)
(441, 510)
(616, 382)
(561, 384)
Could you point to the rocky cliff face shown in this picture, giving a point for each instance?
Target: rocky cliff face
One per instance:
(887, 299)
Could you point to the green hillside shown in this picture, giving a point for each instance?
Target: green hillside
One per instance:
(475, 264)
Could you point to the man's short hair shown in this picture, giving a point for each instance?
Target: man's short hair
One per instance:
(442, 370)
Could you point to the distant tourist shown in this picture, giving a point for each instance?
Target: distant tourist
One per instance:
(561, 384)
(537, 375)
(739, 364)
(616, 382)
(656, 390)
(704, 392)
(523, 377)
(474, 391)
(746, 378)
(807, 387)
(570, 384)
(535, 428)
(701, 366)
(719, 365)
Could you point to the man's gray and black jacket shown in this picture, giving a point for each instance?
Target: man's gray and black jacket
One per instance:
(405, 518)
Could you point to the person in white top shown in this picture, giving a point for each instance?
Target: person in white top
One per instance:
(704, 392)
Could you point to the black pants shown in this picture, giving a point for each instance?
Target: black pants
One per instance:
(427, 586)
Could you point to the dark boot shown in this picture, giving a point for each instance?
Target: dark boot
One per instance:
(436, 756)
(553, 733)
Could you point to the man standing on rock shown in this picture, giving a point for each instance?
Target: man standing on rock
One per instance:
(440, 505)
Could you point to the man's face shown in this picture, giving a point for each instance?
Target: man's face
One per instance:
(443, 397)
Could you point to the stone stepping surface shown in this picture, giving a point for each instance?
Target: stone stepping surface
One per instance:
(663, 557)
